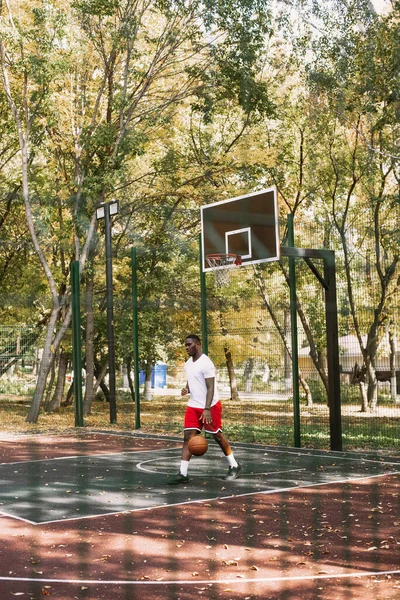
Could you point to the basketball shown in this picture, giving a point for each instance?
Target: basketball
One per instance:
(198, 445)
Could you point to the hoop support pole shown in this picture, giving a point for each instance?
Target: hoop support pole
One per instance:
(203, 302)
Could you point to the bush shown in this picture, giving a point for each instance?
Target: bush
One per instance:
(350, 394)
(16, 387)
(318, 391)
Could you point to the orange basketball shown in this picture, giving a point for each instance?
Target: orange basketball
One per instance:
(198, 445)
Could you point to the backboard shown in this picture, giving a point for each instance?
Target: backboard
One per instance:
(245, 225)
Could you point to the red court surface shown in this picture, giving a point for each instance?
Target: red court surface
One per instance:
(332, 540)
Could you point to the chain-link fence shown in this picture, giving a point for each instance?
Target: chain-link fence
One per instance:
(249, 339)
(19, 358)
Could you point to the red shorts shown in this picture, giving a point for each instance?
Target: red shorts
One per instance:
(192, 419)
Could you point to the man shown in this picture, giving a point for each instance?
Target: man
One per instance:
(203, 408)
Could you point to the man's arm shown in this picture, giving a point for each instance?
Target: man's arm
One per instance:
(206, 416)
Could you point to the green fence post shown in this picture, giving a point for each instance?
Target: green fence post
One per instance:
(110, 318)
(76, 338)
(135, 339)
(203, 303)
(293, 321)
(332, 337)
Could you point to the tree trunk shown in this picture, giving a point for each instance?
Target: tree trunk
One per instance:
(23, 130)
(287, 371)
(128, 374)
(104, 389)
(392, 358)
(100, 372)
(231, 373)
(306, 389)
(89, 388)
(57, 398)
(51, 382)
(248, 375)
(69, 397)
(44, 368)
(372, 391)
(147, 383)
(364, 397)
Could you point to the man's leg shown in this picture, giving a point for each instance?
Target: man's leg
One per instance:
(192, 426)
(187, 435)
(234, 466)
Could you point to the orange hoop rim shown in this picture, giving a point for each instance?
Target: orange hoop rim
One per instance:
(236, 259)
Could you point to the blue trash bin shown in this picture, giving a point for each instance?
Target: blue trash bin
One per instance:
(159, 375)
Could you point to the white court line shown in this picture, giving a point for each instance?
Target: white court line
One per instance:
(263, 492)
(139, 466)
(295, 451)
(88, 456)
(355, 575)
(301, 452)
(331, 456)
(290, 450)
(5, 514)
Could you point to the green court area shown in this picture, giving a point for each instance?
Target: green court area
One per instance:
(73, 487)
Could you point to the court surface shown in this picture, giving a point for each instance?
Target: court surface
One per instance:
(91, 515)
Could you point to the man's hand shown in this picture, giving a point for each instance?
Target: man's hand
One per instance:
(184, 391)
(206, 416)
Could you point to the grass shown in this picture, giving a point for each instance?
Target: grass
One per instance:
(255, 421)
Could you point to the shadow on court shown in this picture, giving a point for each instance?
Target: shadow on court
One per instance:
(40, 491)
(102, 522)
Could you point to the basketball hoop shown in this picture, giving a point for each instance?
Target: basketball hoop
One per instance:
(220, 263)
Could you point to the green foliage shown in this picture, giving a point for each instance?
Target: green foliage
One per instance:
(98, 8)
(350, 394)
(238, 56)
(318, 391)
(357, 62)
(187, 103)
(17, 387)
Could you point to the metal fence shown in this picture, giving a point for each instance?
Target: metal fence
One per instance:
(249, 340)
(19, 357)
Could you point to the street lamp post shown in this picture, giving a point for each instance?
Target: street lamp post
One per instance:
(106, 211)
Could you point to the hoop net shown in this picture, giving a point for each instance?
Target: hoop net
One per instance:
(219, 264)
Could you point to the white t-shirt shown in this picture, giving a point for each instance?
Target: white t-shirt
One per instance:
(196, 374)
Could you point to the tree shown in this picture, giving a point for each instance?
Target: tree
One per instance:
(85, 88)
(360, 92)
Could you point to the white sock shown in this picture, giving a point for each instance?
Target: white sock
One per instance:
(184, 467)
(231, 460)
